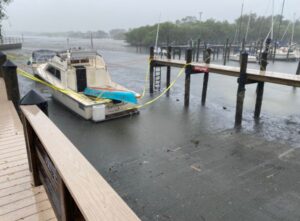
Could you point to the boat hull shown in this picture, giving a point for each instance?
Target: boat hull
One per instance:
(97, 112)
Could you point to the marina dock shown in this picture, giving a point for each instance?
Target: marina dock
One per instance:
(19, 200)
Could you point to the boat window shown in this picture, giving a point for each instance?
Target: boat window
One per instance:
(55, 72)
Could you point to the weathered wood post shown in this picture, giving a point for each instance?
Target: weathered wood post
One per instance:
(198, 49)
(11, 82)
(298, 69)
(225, 51)
(261, 85)
(188, 71)
(241, 90)
(31, 151)
(151, 71)
(168, 81)
(206, 76)
(2, 61)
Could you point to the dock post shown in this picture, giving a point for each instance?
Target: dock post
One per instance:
(32, 151)
(241, 90)
(151, 71)
(188, 70)
(198, 49)
(261, 85)
(225, 51)
(168, 81)
(206, 76)
(2, 61)
(298, 69)
(11, 82)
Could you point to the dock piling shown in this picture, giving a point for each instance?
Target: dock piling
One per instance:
(241, 90)
(151, 71)
(206, 76)
(2, 61)
(298, 69)
(168, 80)
(188, 70)
(261, 85)
(198, 49)
(11, 82)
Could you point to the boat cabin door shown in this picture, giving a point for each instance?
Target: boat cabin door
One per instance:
(81, 78)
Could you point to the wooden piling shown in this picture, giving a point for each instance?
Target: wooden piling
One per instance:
(188, 71)
(11, 82)
(198, 49)
(261, 85)
(151, 71)
(168, 80)
(298, 69)
(241, 90)
(225, 51)
(2, 61)
(206, 76)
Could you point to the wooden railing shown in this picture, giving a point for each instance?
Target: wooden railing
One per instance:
(76, 190)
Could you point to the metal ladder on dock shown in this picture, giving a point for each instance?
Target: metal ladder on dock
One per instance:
(157, 78)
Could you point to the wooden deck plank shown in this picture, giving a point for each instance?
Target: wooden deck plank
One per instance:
(13, 176)
(27, 211)
(17, 157)
(21, 195)
(5, 167)
(93, 195)
(15, 182)
(12, 170)
(15, 189)
(12, 154)
(12, 149)
(10, 207)
(47, 215)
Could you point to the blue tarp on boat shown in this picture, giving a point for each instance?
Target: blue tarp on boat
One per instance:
(125, 96)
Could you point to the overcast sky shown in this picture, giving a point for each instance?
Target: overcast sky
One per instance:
(65, 15)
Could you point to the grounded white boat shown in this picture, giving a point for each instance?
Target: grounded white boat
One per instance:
(73, 72)
(285, 53)
(236, 57)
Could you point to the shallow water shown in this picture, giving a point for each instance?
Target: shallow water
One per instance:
(128, 144)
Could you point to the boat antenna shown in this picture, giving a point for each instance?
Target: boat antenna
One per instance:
(293, 29)
(281, 17)
(68, 43)
(241, 21)
(248, 25)
(92, 42)
(157, 32)
(272, 25)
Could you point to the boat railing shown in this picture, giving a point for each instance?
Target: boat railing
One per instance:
(75, 188)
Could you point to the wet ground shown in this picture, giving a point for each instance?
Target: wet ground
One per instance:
(173, 163)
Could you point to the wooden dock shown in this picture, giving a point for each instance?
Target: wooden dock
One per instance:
(19, 200)
(245, 76)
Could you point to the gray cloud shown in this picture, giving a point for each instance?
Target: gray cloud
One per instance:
(65, 15)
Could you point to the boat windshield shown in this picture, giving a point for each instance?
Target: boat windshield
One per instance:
(41, 56)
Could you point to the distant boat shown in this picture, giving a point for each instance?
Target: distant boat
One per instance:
(84, 84)
(236, 57)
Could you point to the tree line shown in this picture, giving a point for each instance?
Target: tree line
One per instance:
(190, 29)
